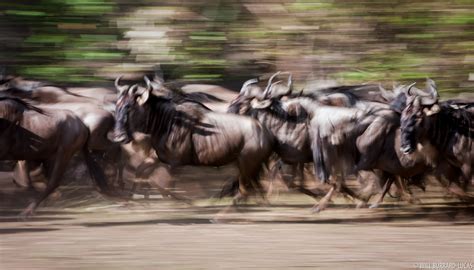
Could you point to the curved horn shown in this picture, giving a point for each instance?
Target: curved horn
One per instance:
(147, 81)
(120, 88)
(133, 89)
(385, 94)
(270, 90)
(409, 89)
(290, 81)
(246, 84)
(431, 85)
(432, 96)
(270, 83)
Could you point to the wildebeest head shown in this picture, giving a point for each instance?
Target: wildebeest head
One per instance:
(131, 100)
(415, 117)
(397, 98)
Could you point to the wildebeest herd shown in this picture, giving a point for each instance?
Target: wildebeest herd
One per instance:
(399, 136)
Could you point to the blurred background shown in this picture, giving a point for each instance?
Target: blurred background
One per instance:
(92, 41)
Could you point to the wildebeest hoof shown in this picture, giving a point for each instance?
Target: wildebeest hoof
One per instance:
(316, 209)
(26, 214)
(415, 201)
(373, 206)
(360, 204)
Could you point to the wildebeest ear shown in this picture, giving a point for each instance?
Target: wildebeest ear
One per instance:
(433, 110)
(158, 77)
(260, 104)
(417, 102)
(143, 97)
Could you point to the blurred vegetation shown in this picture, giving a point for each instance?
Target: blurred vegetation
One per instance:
(78, 41)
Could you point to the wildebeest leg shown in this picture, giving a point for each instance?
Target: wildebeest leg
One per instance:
(21, 175)
(156, 183)
(404, 194)
(235, 202)
(230, 188)
(173, 195)
(249, 171)
(450, 177)
(386, 188)
(466, 170)
(346, 190)
(55, 168)
(372, 186)
(301, 186)
(275, 172)
(324, 201)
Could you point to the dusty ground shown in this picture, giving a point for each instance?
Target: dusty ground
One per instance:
(81, 230)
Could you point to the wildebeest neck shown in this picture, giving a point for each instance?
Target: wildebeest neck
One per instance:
(11, 108)
(448, 123)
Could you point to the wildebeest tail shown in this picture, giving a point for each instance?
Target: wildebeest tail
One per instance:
(320, 168)
(95, 171)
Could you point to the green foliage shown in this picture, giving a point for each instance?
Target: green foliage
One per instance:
(354, 41)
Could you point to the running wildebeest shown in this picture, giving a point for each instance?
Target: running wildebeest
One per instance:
(291, 120)
(288, 124)
(348, 140)
(185, 132)
(49, 137)
(439, 131)
(90, 110)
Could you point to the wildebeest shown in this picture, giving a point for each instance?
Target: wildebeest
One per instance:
(49, 137)
(292, 120)
(347, 140)
(288, 124)
(90, 110)
(438, 131)
(185, 132)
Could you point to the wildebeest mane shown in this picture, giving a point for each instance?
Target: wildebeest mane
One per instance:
(25, 104)
(241, 105)
(293, 113)
(449, 122)
(177, 91)
(363, 92)
(165, 112)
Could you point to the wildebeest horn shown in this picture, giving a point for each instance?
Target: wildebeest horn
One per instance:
(270, 82)
(247, 83)
(409, 89)
(432, 95)
(147, 81)
(120, 88)
(290, 81)
(386, 94)
(431, 85)
(133, 89)
(270, 90)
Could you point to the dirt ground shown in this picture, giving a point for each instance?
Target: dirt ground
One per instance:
(81, 230)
